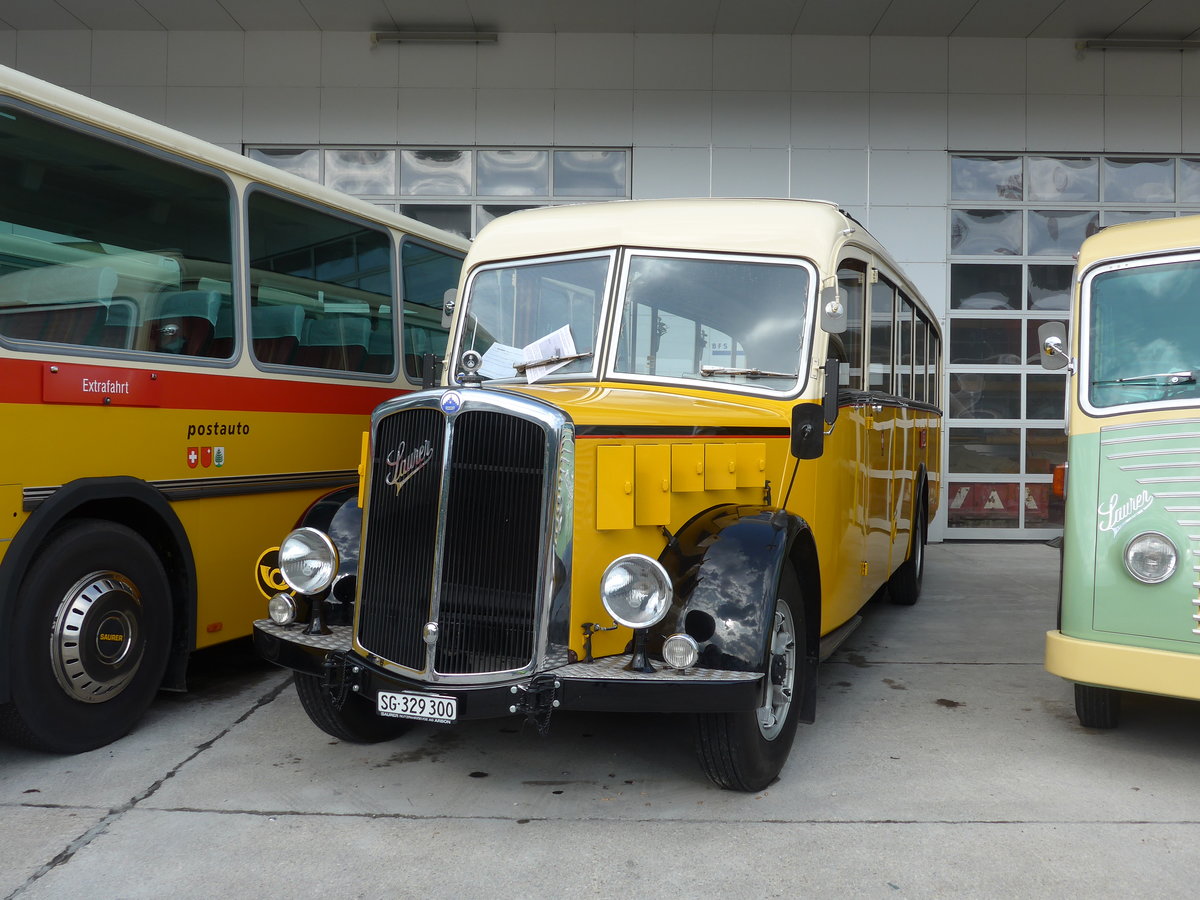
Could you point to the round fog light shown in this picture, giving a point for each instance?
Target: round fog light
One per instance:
(308, 561)
(1151, 557)
(282, 609)
(636, 590)
(680, 651)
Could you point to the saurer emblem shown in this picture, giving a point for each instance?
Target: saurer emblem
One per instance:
(405, 463)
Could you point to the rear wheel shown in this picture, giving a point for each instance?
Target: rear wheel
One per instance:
(90, 638)
(355, 722)
(905, 586)
(1097, 707)
(745, 750)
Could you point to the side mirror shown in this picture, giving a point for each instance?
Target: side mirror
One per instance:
(1053, 338)
(833, 309)
(449, 301)
(829, 398)
(808, 431)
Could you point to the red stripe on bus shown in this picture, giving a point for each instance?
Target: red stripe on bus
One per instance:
(23, 378)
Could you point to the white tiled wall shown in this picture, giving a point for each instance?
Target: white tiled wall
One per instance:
(864, 121)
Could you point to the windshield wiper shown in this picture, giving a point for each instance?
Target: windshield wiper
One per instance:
(549, 361)
(750, 373)
(1168, 378)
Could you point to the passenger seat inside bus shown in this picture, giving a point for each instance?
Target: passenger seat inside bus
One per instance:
(275, 332)
(381, 353)
(62, 304)
(339, 342)
(185, 322)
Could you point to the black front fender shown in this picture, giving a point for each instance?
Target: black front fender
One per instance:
(725, 567)
(339, 516)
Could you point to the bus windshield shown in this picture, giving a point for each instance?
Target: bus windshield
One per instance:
(719, 320)
(534, 319)
(1144, 335)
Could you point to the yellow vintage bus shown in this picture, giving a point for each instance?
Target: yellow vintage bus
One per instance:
(190, 346)
(686, 441)
(1129, 617)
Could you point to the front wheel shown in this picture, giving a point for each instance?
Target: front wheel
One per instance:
(745, 750)
(1097, 707)
(354, 721)
(90, 639)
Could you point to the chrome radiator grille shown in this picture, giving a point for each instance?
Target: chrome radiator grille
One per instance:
(455, 541)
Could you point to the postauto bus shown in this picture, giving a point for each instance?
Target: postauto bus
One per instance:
(1130, 604)
(191, 344)
(687, 441)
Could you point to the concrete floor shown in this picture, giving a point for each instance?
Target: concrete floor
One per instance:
(944, 762)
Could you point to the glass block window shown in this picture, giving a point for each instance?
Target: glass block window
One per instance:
(1016, 223)
(460, 189)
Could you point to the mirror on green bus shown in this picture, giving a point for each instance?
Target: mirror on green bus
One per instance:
(1053, 338)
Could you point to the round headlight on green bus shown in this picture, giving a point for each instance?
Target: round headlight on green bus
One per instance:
(1151, 557)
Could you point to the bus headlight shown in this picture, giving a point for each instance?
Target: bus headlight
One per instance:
(636, 590)
(680, 651)
(1151, 557)
(282, 608)
(308, 561)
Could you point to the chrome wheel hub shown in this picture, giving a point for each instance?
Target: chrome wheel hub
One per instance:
(95, 644)
(781, 673)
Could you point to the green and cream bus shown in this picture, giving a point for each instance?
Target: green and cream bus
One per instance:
(1130, 607)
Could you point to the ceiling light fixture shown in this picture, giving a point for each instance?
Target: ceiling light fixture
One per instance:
(433, 37)
(1135, 44)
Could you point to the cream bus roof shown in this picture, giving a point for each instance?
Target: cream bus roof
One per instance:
(51, 97)
(815, 229)
(1140, 239)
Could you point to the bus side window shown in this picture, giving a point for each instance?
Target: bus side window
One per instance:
(903, 356)
(852, 278)
(320, 280)
(882, 313)
(933, 380)
(920, 359)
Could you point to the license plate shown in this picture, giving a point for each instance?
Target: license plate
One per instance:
(424, 707)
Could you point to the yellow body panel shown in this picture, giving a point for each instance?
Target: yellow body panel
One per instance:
(227, 531)
(620, 478)
(652, 484)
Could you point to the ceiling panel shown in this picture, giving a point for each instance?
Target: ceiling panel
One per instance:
(1171, 19)
(36, 15)
(517, 15)
(757, 16)
(431, 14)
(114, 15)
(192, 15)
(839, 17)
(920, 17)
(350, 15)
(677, 16)
(269, 15)
(1003, 18)
(612, 16)
(1087, 18)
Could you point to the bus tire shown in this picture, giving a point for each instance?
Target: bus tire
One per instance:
(745, 750)
(98, 591)
(356, 722)
(905, 586)
(1097, 707)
